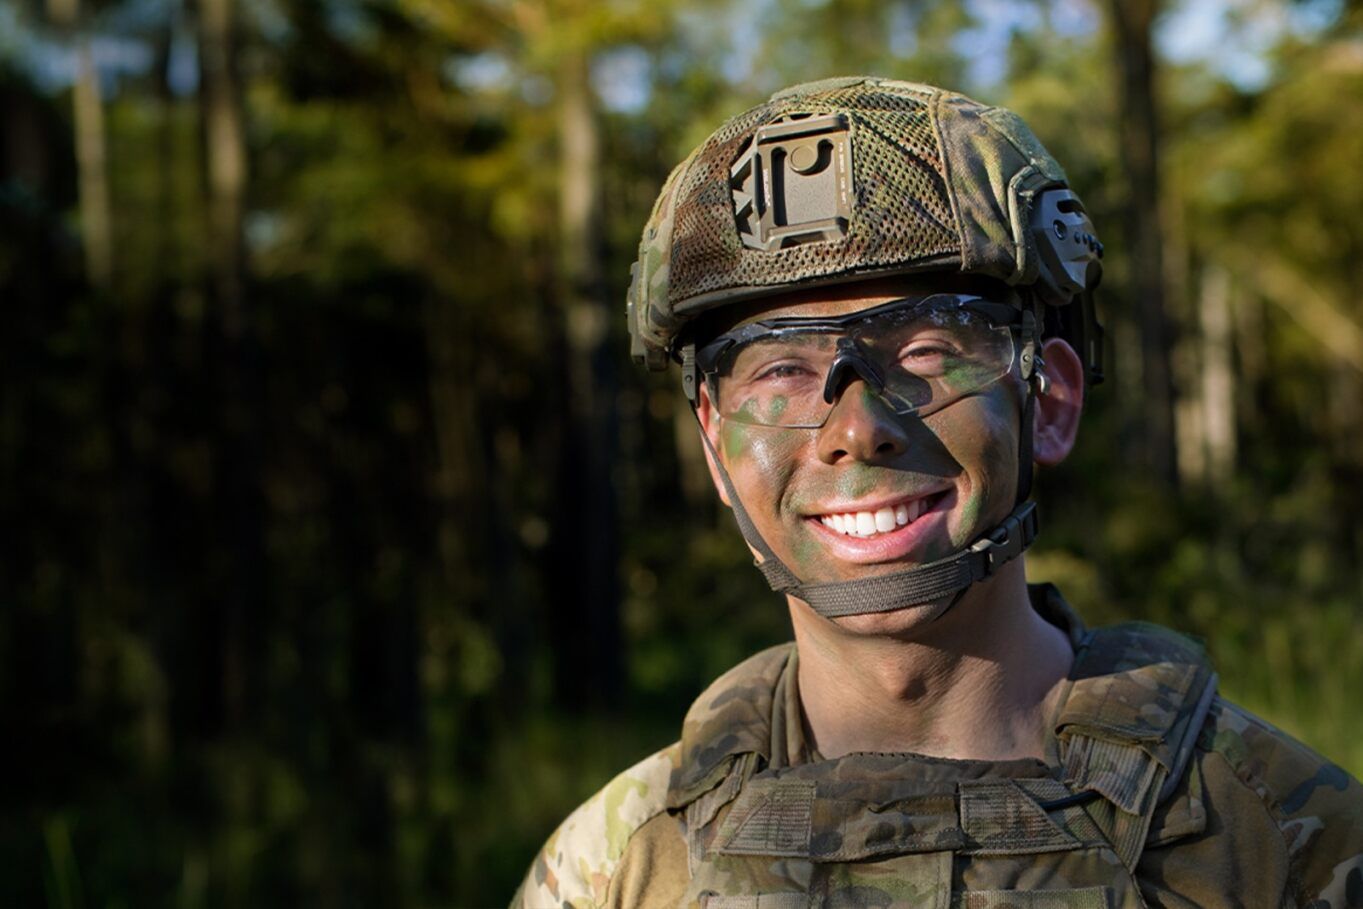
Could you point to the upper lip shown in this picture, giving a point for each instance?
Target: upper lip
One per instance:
(873, 504)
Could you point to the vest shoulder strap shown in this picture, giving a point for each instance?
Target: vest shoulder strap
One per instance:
(1139, 698)
(731, 718)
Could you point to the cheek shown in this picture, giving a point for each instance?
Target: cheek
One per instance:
(761, 459)
(762, 462)
(983, 438)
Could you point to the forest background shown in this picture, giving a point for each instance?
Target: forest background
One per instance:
(345, 551)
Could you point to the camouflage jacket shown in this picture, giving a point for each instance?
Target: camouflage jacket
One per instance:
(1155, 792)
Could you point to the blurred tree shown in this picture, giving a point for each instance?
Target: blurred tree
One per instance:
(327, 504)
(1138, 127)
(88, 105)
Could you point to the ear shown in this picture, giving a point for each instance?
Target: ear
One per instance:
(1055, 424)
(709, 425)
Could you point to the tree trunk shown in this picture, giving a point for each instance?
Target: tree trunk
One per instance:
(585, 603)
(1139, 146)
(91, 166)
(239, 505)
(1218, 374)
(225, 156)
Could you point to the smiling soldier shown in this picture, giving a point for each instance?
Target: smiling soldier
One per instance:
(880, 297)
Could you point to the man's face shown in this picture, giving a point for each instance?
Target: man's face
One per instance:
(929, 486)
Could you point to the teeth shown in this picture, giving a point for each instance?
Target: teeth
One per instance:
(870, 523)
(884, 520)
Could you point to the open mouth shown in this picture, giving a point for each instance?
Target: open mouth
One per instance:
(868, 524)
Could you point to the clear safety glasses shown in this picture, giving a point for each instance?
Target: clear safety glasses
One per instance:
(918, 354)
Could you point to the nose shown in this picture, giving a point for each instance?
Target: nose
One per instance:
(862, 427)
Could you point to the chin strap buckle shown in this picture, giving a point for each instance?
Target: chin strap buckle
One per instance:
(1015, 534)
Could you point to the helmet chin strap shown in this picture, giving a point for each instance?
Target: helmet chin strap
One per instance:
(926, 585)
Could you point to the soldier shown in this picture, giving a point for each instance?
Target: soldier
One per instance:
(880, 297)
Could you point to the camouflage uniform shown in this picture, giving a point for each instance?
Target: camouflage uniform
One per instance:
(1154, 792)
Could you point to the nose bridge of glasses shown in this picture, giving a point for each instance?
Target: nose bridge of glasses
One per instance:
(851, 362)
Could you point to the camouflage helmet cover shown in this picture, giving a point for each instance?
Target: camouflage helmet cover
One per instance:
(845, 179)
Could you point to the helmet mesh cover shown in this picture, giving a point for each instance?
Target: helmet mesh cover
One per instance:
(902, 207)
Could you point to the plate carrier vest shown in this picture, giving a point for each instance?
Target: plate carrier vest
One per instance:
(905, 830)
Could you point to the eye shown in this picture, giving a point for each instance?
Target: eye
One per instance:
(928, 348)
(783, 371)
(925, 348)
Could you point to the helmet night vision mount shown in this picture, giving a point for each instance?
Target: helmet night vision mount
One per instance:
(850, 179)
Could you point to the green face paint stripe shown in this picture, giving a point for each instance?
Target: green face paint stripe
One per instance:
(733, 436)
(970, 514)
(808, 554)
(858, 480)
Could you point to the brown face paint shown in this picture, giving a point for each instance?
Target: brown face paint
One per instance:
(760, 461)
(983, 433)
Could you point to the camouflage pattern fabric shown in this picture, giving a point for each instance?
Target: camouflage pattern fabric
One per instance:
(576, 865)
(934, 180)
(741, 813)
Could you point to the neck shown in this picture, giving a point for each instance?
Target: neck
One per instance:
(978, 682)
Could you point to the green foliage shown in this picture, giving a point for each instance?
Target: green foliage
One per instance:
(293, 611)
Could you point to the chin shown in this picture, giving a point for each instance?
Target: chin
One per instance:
(908, 622)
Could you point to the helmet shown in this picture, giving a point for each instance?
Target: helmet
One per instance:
(845, 179)
(855, 178)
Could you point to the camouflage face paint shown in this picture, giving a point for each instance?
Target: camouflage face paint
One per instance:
(982, 433)
(733, 436)
(857, 480)
(760, 461)
(860, 479)
(966, 453)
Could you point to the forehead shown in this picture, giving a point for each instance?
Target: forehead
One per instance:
(837, 300)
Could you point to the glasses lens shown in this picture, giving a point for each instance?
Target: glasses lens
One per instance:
(778, 380)
(929, 355)
(935, 355)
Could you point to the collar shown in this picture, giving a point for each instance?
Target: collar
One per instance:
(1130, 683)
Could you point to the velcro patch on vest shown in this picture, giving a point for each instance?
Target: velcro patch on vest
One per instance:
(1073, 819)
(837, 821)
(1000, 818)
(855, 820)
(771, 817)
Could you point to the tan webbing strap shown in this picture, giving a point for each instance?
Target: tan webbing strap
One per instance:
(702, 811)
(1139, 698)
(1130, 781)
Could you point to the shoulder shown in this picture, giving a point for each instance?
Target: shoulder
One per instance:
(1315, 806)
(578, 862)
